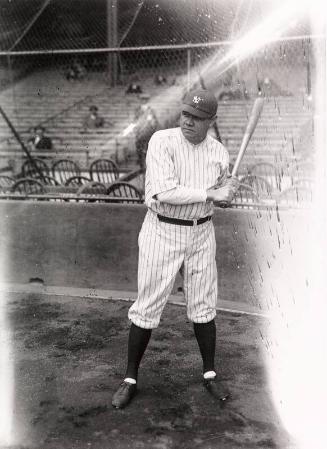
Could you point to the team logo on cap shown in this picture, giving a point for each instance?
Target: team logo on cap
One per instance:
(196, 99)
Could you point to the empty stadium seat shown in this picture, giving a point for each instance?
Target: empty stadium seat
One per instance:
(63, 169)
(77, 181)
(6, 183)
(48, 180)
(268, 171)
(124, 190)
(92, 188)
(28, 186)
(104, 170)
(34, 168)
(260, 185)
(246, 197)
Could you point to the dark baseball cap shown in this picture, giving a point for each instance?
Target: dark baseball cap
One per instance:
(201, 103)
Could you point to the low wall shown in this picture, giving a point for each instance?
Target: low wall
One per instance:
(90, 245)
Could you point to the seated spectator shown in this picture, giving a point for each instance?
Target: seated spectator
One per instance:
(143, 107)
(93, 120)
(134, 88)
(39, 141)
(70, 74)
(76, 71)
(160, 79)
(146, 124)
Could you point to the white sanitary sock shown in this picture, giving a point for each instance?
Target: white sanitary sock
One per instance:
(130, 380)
(209, 375)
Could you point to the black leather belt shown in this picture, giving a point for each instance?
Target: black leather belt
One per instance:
(178, 221)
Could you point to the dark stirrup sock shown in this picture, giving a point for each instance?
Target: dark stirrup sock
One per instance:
(205, 334)
(137, 342)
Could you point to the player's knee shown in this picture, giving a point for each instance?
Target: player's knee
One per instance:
(201, 315)
(143, 320)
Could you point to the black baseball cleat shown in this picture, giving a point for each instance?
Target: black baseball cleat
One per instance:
(124, 395)
(216, 390)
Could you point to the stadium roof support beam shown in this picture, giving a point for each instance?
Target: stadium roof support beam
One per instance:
(112, 39)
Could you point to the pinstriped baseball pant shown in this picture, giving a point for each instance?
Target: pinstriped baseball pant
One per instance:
(164, 249)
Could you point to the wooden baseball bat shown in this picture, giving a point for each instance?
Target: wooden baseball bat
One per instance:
(252, 123)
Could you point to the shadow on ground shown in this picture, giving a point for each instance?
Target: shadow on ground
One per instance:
(69, 357)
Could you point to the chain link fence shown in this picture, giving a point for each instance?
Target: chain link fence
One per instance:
(55, 81)
(289, 64)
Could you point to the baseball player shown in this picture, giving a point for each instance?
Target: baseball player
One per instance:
(186, 171)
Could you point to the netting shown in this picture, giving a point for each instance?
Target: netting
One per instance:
(291, 64)
(59, 58)
(148, 36)
(82, 24)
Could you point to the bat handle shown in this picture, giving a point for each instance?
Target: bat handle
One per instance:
(239, 156)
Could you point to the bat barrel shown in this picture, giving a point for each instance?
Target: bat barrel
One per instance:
(252, 123)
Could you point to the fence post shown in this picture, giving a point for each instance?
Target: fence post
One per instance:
(112, 41)
(308, 67)
(189, 55)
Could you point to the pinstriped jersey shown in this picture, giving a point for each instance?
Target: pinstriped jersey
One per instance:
(173, 161)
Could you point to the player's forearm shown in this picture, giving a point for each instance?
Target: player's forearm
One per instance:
(182, 195)
(215, 195)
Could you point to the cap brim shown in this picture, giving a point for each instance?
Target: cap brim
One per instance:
(196, 112)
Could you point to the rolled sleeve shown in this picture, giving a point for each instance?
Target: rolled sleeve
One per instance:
(183, 195)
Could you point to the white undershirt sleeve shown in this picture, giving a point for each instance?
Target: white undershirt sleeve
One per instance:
(182, 195)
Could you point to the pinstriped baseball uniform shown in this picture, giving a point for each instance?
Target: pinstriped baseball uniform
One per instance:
(165, 248)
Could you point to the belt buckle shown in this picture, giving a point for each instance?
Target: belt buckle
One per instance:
(195, 222)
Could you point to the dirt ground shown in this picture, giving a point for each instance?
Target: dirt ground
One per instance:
(68, 356)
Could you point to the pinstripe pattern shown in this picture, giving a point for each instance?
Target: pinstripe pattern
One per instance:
(166, 248)
(172, 161)
(163, 249)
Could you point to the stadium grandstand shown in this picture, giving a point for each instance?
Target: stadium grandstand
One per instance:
(71, 210)
(58, 59)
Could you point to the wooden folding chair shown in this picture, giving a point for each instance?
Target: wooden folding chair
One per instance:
(104, 171)
(267, 171)
(246, 197)
(92, 188)
(77, 181)
(124, 190)
(28, 186)
(6, 183)
(63, 169)
(259, 184)
(48, 180)
(34, 168)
